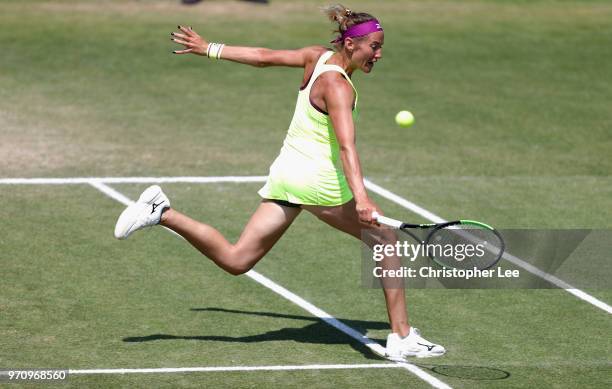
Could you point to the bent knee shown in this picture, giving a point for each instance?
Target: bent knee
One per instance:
(238, 270)
(240, 265)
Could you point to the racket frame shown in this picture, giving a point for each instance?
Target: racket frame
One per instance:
(399, 225)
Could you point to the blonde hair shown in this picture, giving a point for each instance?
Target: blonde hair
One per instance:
(345, 18)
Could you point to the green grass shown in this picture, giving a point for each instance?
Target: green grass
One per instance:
(511, 100)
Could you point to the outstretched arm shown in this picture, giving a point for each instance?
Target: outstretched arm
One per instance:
(256, 56)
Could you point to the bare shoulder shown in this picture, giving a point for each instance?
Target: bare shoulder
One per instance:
(312, 53)
(336, 88)
(336, 81)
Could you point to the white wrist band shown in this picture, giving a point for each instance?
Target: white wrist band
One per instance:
(214, 50)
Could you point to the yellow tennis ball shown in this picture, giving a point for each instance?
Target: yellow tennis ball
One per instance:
(404, 118)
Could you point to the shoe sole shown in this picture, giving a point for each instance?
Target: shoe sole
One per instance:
(430, 355)
(416, 355)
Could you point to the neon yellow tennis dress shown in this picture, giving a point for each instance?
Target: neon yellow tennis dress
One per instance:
(308, 169)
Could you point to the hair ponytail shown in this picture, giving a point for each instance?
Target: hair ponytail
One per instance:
(345, 18)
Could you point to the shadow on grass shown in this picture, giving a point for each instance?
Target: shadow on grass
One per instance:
(475, 373)
(317, 332)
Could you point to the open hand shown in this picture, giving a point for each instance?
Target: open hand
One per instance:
(190, 39)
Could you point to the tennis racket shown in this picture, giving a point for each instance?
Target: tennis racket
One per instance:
(459, 244)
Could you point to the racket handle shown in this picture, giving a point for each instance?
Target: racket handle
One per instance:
(387, 221)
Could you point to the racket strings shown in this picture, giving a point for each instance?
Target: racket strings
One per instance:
(464, 247)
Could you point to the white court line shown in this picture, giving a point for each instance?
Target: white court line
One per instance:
(507, 256)
(110, 192)
(235, 368)
(329, 319)
(369, 184)
(241, 179)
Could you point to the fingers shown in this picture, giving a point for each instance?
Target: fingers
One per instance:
(187, 30)
(365, 215)
(191, 40)
(184, 43)
(176, 34)
(368, 212)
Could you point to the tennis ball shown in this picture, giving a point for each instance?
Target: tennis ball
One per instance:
(404, 118)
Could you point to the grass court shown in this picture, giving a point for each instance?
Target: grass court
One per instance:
(513, 127)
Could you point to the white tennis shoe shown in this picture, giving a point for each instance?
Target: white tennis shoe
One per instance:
(145, 212)
(412, 345)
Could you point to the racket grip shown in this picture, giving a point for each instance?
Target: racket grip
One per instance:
(386, 221)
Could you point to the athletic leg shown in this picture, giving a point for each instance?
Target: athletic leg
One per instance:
(263, 230)
(345, 218)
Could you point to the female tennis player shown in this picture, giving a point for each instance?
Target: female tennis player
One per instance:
(317, 170)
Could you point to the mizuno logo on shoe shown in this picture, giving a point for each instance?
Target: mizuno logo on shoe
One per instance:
(429, 348)
(155, 207)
